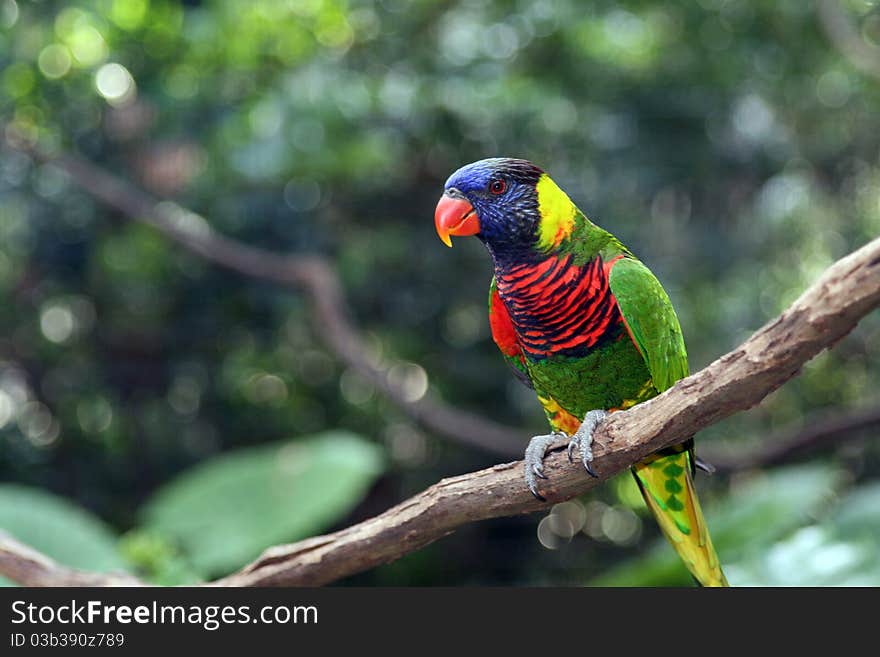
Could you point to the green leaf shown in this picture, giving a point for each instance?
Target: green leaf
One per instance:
(223, 513)
(839, 551)
(743, 526)
(772, 505)
(859, 513)
(58, 528)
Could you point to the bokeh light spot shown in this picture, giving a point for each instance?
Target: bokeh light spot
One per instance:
(115, 84)
(411, 379)
(57, 323)
(185, 395)
(8, 13)
(546, 536)
(63, 318)
(37, 424)
(94, 415)
(354, 388)
(620, 525)
(54, 61)
(87, 45)
(568, 518)
(266, 389)
(129, 14)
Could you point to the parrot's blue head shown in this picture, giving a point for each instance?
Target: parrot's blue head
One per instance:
(496, 200)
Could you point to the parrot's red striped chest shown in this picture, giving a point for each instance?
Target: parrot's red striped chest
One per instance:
(555, 307)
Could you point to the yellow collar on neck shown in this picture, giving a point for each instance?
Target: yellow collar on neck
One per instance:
(557, 213)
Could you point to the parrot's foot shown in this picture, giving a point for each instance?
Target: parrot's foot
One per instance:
(583, 439)
(538, 446)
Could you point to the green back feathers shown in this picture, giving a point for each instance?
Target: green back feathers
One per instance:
(651, 320)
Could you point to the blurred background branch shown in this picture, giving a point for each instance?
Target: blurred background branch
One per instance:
(818, 319)
(310, 274)
(848, 39)
(821, 431)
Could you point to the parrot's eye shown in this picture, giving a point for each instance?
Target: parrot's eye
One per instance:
(497, 186)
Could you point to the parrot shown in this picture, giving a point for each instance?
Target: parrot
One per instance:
(586, 325)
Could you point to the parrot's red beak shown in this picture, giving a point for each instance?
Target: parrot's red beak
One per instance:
(455, 216)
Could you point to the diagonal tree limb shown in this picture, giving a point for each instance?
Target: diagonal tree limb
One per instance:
(826, 312)
(311, 274)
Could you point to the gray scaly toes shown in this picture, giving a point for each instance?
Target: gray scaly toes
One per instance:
(583, 439)
(538, 446)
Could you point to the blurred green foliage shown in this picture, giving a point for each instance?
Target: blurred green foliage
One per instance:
(726, 142)
(55, 526)
(225, 512)
(753, 517)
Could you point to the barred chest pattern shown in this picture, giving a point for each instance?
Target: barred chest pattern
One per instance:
(558, 308)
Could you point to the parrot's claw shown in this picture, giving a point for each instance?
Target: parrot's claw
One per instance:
(534, 458)
(706, 467)
(583, 439)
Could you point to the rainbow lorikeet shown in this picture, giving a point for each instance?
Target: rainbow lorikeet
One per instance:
(582, 321)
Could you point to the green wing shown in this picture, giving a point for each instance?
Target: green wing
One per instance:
(651, 320)
(665, 478)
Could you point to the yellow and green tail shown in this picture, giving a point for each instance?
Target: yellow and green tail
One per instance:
(668, 488)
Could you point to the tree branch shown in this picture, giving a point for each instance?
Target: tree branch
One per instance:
(821, 316)
(821, 431)
(847, 40)
(26, 566)
(312, 275)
